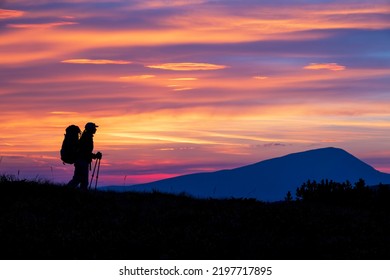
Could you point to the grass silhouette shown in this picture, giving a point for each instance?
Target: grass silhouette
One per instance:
(41, 220)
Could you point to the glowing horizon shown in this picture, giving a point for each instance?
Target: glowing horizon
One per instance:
(178, 87)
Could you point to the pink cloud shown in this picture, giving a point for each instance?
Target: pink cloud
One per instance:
(95, 61)
(188, 66)
(183, 79)
(4, 14)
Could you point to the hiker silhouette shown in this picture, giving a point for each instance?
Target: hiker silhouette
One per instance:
(84, 157)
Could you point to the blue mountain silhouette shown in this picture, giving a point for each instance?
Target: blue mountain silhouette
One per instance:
(270, 180)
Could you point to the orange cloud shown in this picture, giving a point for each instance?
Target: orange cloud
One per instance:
(42, 25)
(182, 89)
(188, 66)
(260, 77)
(142, 77)
(248, 25)
(350, 10)
(10, 13)
(95, 61)
(325, 66)
(179, 87)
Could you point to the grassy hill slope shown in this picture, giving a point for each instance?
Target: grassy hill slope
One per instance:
(40, 220)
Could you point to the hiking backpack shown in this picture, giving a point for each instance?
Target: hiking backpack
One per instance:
(69, 146)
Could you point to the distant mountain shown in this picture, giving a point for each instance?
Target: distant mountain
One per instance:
(270, 180)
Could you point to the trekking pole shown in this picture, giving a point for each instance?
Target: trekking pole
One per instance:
(93, 174)
(97, 173)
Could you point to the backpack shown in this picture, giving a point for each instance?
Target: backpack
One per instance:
(69, 146)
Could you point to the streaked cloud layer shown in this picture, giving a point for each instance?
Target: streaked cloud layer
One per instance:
(187, 86)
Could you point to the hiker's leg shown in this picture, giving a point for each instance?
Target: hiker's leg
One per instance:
(84, 174)
(76, 176)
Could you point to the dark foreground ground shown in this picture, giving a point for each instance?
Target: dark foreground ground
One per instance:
(44, 221)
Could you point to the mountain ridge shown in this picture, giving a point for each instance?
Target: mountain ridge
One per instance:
(271, 179)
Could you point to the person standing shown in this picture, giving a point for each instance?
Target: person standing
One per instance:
(84, 157)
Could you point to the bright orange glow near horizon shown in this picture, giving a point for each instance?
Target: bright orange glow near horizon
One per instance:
(179, 87)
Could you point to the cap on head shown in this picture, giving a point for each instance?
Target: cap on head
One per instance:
(90, 126)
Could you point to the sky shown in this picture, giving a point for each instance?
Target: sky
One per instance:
(180, 87)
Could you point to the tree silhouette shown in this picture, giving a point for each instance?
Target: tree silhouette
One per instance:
(330, 190)
(288, 197)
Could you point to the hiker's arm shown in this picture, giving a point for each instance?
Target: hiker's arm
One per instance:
(98, 155)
